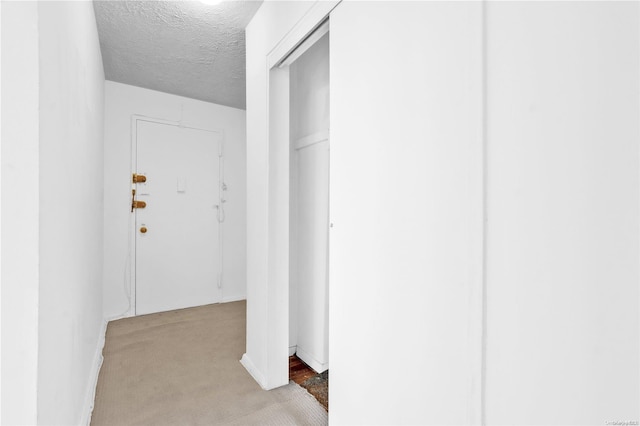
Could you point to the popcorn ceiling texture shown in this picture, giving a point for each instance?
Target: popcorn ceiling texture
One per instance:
(182, 47)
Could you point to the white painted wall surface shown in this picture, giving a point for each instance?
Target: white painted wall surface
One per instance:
(270, 24)
(20, 211)
(310, 91)
(71, 210)
(562, 200)
(121, 102)
(405, 101)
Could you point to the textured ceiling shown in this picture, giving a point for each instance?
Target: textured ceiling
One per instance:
(182, 47)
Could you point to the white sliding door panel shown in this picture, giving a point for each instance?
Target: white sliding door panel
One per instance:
(177, 258)
(405, 126)
(312, 280)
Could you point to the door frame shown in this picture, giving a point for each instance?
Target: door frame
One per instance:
(277, 280)
(131, 243)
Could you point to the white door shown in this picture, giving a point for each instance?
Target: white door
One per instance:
(177, 257)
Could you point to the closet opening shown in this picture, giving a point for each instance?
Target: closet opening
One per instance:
(309, 212)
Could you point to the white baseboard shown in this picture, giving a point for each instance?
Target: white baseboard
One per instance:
(93, 376)
(251, 368)
(292, 350)
(318, 366)
(228, 299)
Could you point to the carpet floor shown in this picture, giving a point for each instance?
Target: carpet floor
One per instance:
(182, 368)
(316, 384)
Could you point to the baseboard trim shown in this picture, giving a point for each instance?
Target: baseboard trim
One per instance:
(233, 299)
(93, 376)
(319, 367)
(253, 371)
(292, 350)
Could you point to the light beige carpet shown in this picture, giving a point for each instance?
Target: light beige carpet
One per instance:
(182, 368)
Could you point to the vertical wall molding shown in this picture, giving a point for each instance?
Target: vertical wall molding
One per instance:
(483, 327)
(478, 218)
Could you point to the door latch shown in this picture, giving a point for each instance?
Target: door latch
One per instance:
(136, 204)
(139, 178)
(136, 178)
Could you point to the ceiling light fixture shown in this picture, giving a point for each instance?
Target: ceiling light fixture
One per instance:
(210, 2)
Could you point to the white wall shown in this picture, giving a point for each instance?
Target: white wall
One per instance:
(20, 211)
(52, 210)
(71, 209)
(562, 203)
(309, 80)
(121, 102)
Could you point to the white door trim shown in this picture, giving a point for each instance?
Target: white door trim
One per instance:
(477, 253)
(277, 134)
(299, 50)
(131, 243)
(312, 20)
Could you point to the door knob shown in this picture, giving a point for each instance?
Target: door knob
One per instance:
(143, 230)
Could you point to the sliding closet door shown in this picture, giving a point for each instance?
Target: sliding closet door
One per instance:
(406, 85)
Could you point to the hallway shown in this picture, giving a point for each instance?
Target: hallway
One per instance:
(181, 367)
(481, 221)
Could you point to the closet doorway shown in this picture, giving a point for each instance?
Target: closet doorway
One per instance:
(297, 237)
(309, 200)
